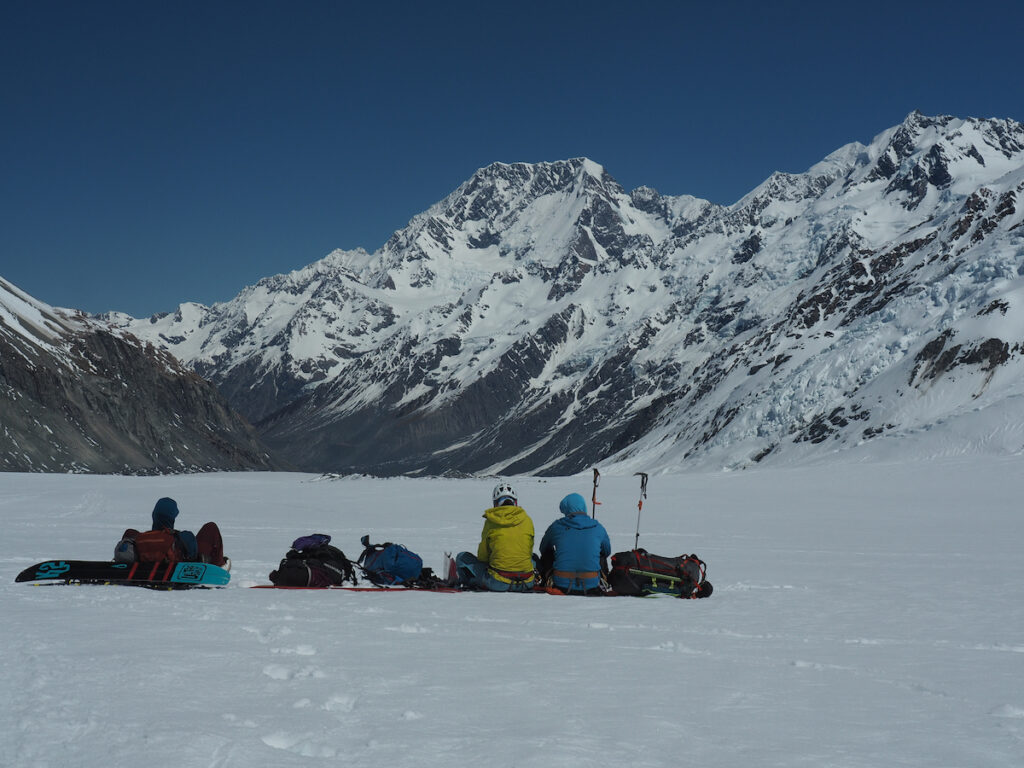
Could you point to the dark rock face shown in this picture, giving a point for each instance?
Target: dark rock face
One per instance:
(88, 400)
(541, 319)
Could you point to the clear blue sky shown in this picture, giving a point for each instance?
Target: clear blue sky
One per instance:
(160, 152)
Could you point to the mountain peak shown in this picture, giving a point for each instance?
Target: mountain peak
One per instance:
(537, 177)
(917, 120)
(540, 319)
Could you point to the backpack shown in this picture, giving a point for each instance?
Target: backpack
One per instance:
(155, 547)
(639, 573)
(313, 562)
(389, 564)
(124, 550)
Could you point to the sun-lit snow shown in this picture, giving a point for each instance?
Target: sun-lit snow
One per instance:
(865, 613)
(24, 316)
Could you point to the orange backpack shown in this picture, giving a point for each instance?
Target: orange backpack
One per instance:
(155, 547)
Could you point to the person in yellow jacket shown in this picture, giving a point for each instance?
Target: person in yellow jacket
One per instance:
(504, 559)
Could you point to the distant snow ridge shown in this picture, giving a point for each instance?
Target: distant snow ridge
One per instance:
(542, 319)
(75, 397)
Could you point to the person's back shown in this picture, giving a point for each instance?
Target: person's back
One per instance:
(504, 558)
(506, 542)
(574, 548)
(163, 543)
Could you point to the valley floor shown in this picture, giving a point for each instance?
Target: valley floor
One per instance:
(864, 614)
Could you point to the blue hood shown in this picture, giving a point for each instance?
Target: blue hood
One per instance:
(573, 504)
(574, 507)
(164, 513)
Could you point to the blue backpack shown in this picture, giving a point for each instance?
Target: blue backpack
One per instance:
(389, 564)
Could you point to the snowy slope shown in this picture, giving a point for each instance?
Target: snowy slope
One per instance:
(22, 315)
(541, 318)
(864, 615)
(75, 396)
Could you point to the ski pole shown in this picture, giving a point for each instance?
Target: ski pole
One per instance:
(640, 504)
(593, 498)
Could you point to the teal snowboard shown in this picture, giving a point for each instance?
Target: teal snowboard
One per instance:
(153, 575)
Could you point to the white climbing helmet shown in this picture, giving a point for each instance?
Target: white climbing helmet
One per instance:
(504, 495)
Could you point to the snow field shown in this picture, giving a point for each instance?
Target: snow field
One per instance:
(863, 615)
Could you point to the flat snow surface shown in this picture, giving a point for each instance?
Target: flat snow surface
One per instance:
(863, 615)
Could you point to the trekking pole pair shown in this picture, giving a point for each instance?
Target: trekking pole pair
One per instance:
(639, 504)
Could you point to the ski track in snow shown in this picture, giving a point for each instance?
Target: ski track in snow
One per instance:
(863, 615)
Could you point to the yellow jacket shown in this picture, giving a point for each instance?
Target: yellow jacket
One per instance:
(506, 543)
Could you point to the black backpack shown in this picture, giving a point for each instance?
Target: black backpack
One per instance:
(639, 573)
(313, 562)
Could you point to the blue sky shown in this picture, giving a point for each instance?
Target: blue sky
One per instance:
(155, 153)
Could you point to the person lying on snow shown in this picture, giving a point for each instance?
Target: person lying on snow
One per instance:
(504, 559)
(574, 550)
(164, 543)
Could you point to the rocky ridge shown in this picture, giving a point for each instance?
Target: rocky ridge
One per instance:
(77, 397)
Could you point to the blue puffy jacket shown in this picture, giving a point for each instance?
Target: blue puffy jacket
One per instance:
(579, 544)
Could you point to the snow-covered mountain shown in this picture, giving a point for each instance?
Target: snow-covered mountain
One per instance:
(542, 319)
(75, 397)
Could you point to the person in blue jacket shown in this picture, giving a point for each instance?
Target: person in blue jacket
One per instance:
(575, 549)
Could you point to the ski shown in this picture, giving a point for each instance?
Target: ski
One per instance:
(152, 575)
(655, 576)
(365, 589)
(449, 590)
(451, 574)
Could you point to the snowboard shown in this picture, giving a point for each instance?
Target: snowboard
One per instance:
(152, 575)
